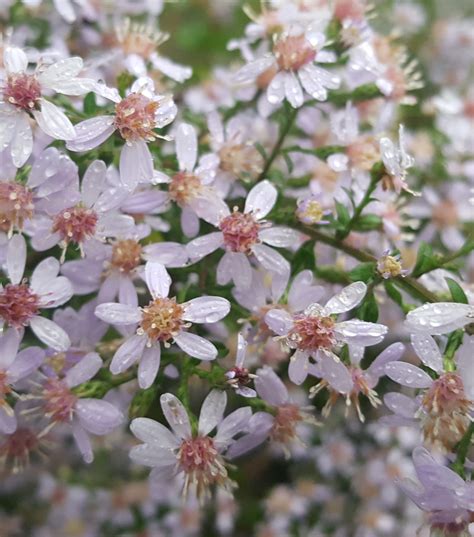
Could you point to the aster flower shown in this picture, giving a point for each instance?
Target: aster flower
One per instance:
(22, 96)
(352, 381)
(242, 234)
(390, 266)
(14, 366)
(21, 303)
(445, 402)
(239, 376)
(316, 333)
(199, 457)
(292, 67)
(92, 215)
(61, 404)
(191, 186)
(447, 499)
(439, 318)
(396, 162)
(136, 118)
(162, 321)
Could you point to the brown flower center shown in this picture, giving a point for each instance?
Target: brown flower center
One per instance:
(240, 231)
(162, 319)
(184, 187)
(312, 332)
(135, 117)
(18, 303)
(126, 255)
(241, 160)
(286, 420)
(22, 91)
(75, 224)
(292, 52)
(16, 205)
(59, 401)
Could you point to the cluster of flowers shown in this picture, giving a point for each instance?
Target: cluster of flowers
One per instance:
(246, 242)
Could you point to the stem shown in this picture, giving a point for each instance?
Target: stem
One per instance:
(462, 449)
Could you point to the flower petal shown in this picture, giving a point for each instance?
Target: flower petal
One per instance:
(119, 314)
(298, 367)
(16, 258)
(91, 133)
(149, 366)
(54, 122)
(206, 309)
(337, 374)
(127, 354)
(360, 333)
(408, 375)
(152, 432)
(347, 299)
(157, 279)
(427, 349)
(196, 346)
(50, 333)
(439, 318)
(212, 411)
(261, 199)
(176, 415)
(279, 321)
(186, 147)
(98, 416)
(83, 370)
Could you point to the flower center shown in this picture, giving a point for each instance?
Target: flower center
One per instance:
(184, 187)
(16, 205)
(75, 224)
(312, 332)
(22, 91)
(310, 211)
(135, 117)
(126, 255)
(445, 214)
(59, 401)
(18, 303)
(284, 425)
(202, 464)
(4, 389)
(389, 267)
(18, 446)
(138, 38)
(363, 152)
(292, 52)
(162, 319)
(240, 231)
(241, 160)
(448, 411)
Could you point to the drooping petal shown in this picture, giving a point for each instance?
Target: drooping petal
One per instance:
(212, 411)
(337, 374)
(91, 133)
(8, 423)
(98, 416)
(9, 343)
(276, 89)
(127, 354)
(270, 387)
(241, 350)
(261, 199)
(93, 182)
(347, 299)
(293, 90)
(22, 141)
(83, 370)
(401, 404)
(16, 258)
(83, 442)
(175, 415)
(427, 349)
(149, 366)
(50, 333)
(408, 375)
(54, 122)
(196, 346)
(298, 367)
(206, 309)
(119, 314)
(157, 279)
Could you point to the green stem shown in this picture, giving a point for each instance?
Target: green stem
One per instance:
(462, 449)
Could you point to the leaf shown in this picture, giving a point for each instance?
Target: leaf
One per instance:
(363, 272)
(368, 310)
(456, 291)
(304, 258)
(90, 105)
(367, 222)
(343, 215)
(426, 260)
(142, 401)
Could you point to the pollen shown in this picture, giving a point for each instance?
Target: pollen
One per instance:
(126, 255)
(162, 319)
(16, 205)
(241, 160)
(75, 224)
(135, 117)
(184, 187)
(240, 231)
(293, 51)
(22, 91)
(18, 304)
(312, 332)
(59, 401)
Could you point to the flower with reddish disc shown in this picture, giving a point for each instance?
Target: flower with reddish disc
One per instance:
(21, 303)
(190, 188)
(239, 376)
(136, 118)
(198, 457)
(59, 400)
(443, 494)
(162, 322)
(14, 366)
(242, 234)
(291, 68)
(445, 403)
(352, 381)
(316, 333)
(94, 215)
(22, 97)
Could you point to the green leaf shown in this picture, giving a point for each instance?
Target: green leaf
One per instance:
(369, 310)
(304, 258)
(367, 222)
(426, 260)
(395, 295)
(90, 106)
(343, 215)
(363, 272)
(142, 401)
(456, 291)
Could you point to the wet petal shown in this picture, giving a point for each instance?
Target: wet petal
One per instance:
(206, 309)
(212, 411)
(176, 415)
(408, 375)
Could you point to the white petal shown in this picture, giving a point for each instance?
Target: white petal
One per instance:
(22, 141)
(93, 182)
(361, 333)
(98, 416)
(119, 314)
(152, 432)
(347, 299)
(45, 271)
(25, 363)
(186, 147)
(241, 269)
(439, 318)
(276, 89)
(176, 415)
(177, 72)
(149, 366)
(83, 370)
(54, 122)
(83, 442)
(302, 291)
(151, 455)
(261, 199)
(231, 425)
(400, 404)
(15, 60)
(279, 236)
(293, 90)
(464, 365)
(206, 309)
(241, 350)
(127, 354)
(279, 321)
(427, 349)
(16, 258)
(298, 367)
(271, 260)
(170, 254)
(212, 411)
(8, 422)
(59, 291)
(337, 374)
(61, 70)
(196, 346)
(391, 354)
(50, 333)
(9, 343)
(250, 71)
(91, 133)
(157, 279)
(270, 387)
(408, 375)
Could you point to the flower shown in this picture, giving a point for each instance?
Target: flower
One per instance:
(199, 457)
(21, 303)
(390, 266)
(291, 67)
(162, 321)
(239, 376)
(445, 403)
(23, 97)
(242, 234)
(136, 116)
(396, 162)
(316, 333)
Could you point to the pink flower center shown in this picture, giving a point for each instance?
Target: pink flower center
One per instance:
(202, 464)
(59, 401)
(75, 224)
(240, 231)
(162, 319)
(448, 411)
(286, 420)
(184, 187)
(18, 446)
(18, 303)
(22, 91)
(16, 205)
(135, 117)
(241, 160)
(4, 388)
(292, 52)
(126, 255)
(311, 333)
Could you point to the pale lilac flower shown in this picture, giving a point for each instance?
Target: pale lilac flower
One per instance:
(14, 366)
(351, 381)
(21, 303)
(445, 402)
(191, 186)
(61, 404)
(239, 376)
(136, 118)
(439, 318)
(292, 64)
(162, 321)
(23, 95)
(396, 162)
(310, 210)
(447, 499)
(242, 235)
(93, 216)
(316, 333)
(200, 457)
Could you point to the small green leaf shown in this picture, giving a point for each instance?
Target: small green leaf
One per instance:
(369, 310)
(426, 260)
(142, 401)
(90, 106)
(363, 272)
(367, 222)
(456, 291)
(343, 215)
(304, 258)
